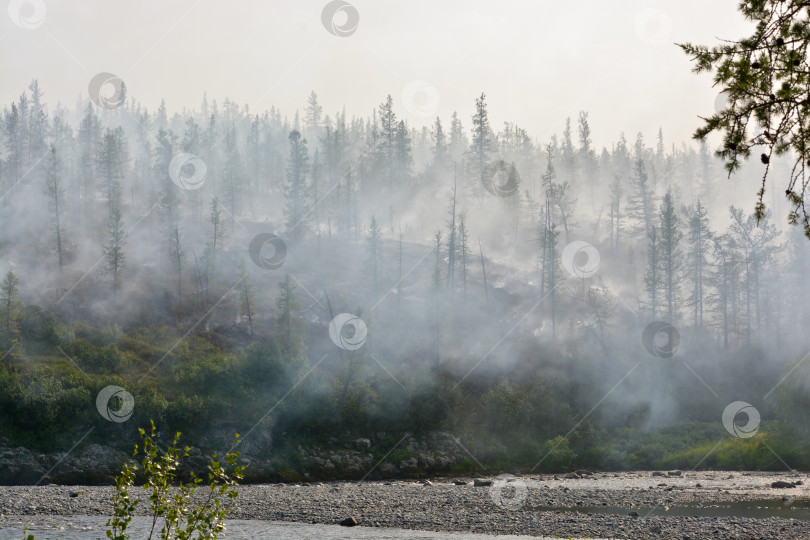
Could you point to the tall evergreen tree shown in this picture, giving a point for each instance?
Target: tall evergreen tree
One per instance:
(459, 144)
(287, 303)
(440, 150)
(616, 192)
(552, 275)
(9, 314)
(88, 139)
(463, 248)
(452, 244)
(56, 197)
(652, 278)
(232, 174)
(246, 294)
(177, 256)
(374, 261)
(297, 190)
(586, 153)
(560, 204)
(640, 202)
(699, 238)
(313, 114)
(670, 256)
(13, 129)
(216, 236)
(114, 256)
(725, 284)
(387, 145)
(483, 139)
(756, 239)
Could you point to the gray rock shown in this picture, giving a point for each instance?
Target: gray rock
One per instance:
(388, 470)
(94, 464)
(362, 444)
(780, 484)
(482, 483)
(18, 466)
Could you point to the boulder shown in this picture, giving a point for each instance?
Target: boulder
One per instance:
(478, 482)
(196, 462)
(779, 484)
(388, 470)
(94, 464)
(363, 445)
(18, 466)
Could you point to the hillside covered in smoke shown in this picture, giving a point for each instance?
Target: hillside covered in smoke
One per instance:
(313, 279)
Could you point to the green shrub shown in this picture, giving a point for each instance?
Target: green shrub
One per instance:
(557, 455)
(182, 517)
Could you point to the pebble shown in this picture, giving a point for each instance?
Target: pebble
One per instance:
(445, 507)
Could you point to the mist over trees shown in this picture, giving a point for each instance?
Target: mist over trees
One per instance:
(493, 271)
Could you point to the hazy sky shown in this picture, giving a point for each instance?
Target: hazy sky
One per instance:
(537, 61)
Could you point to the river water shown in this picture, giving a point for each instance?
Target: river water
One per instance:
(93, 527)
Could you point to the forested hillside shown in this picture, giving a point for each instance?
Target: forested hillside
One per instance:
(312, 279)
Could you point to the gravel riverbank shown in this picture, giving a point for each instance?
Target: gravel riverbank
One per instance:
(540, 505)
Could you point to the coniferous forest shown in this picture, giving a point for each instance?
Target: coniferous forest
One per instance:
(311, 279)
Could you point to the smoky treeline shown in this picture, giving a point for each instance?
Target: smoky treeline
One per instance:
(548, 300)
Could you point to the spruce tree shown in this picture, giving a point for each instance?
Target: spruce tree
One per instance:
(9, 315)
(297, 189)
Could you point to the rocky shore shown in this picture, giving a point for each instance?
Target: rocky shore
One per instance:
(97, 464)
(645, 504)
